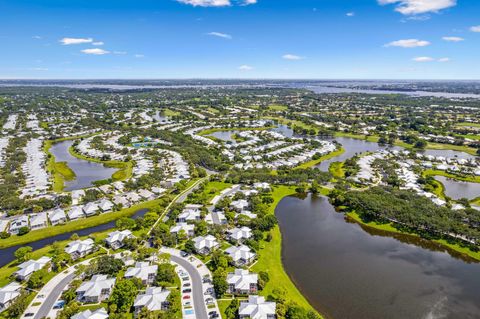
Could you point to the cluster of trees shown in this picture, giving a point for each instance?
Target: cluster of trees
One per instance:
(414, 212)
(283, 176)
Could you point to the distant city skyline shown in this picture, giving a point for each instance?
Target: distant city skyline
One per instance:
(249, 39)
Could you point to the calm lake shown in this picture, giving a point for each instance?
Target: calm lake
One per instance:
(458, 189)
(87, 172)
(6, 254)
(349, 273)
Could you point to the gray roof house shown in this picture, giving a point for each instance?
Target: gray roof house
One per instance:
(57, 216)
(95, 290)
(154, 299)
(143, 271)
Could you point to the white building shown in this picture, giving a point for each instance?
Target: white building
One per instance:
(29, 267)
(257, 308)
(115, 239)
(242, 282)
(154, 299)
(100, 313)
(8, 294)
(95, 290)
(241, 255)
(143, 271)
(80, 248)
(205, 245)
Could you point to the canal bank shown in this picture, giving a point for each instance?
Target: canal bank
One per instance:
(347, 272)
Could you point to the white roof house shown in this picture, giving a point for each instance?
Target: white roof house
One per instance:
(38, 221)
(100, 313)
(121, 200)
(154, 299)
(80, 248)
(95, 290)
(90, 209)
(57, 216)
(190, 213)
(17, 223)
(146, 194)
(75, 212)
(205, 245)
(257, 308)
(189, 229)
(242, 282)
(29, 267)
(239, 234)
(115, 239)
(8, 294)
(143, 271)
(241, 255)
(239, 205)
(3, 225)
(105, 205)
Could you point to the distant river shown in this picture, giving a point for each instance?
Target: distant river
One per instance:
(349, 273)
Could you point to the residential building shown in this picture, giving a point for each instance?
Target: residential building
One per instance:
(105, 205)
(17, 223)
(239, 235)
(241, 255)
(57, 216)
(256, 308)
(143, 271)
(205, 245)
(38, 221)
(95, 290)
(154, 299)
(242, 282)
(80, 248)
(100, 313)
(189, 229)
(115, 239)
(76, 212)
(8, 294)
(29, 267)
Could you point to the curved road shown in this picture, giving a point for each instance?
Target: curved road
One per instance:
(197, 287)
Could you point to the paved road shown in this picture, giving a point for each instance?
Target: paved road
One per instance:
(49, 302)
(197, 287)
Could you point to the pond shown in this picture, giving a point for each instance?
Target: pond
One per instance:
(6, 254)
(160, 117)
(352, 147)
(225, 136)
(347, 272)
(459, 189)
(86, 172)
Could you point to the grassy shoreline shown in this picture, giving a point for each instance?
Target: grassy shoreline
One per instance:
(389, 227)
(328, 156)
(270, 258)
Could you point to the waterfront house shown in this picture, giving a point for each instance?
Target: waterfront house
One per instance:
(17, 223)
(90, 209)
(105, 205)
(241, 255)
(115, 239)
(95, 290)
(8, 294)
(38, 221)
(256, 308)
(80, 248)
(143, 271)
(121, 200)
(146, 194)
(76, 212)
(100, 313)
(29, 267)
(57, 216)
(154, 299)
(242, 282)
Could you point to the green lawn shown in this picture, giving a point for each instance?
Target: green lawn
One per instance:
(170, 113)
(468, 124)
(75, 225)
(214, 188)
(270, 258)
(276, 107)
(321, 159)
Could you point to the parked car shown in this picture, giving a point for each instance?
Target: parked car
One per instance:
(186, 297)
(187, 291)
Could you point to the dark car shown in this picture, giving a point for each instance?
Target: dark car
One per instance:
(186, 291)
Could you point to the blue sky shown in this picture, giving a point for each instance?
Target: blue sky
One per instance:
(382, 39)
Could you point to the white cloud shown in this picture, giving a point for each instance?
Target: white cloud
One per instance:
(69, 41)
(40, 69)
(245, 67)
(37, 37)
(292, 57)
(423, 59)
(247, 2)
(119, 52)
(95, 51)
(350, 14)
(408, 43)
(410, 7)
(220, 35)
(98, 43)
(139, 56)
(444, 60)
(475, 28)
(206, 3)
(453, 39)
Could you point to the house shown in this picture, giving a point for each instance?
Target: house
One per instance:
(106, 189)
(57, 216)
(77, 195)
(187, 228)
(242, 282)
(17, 223)
(95, 290)
(115, 239)
(75, 213)
(205, 245)
(3, 225)
(143, 271)
(121, 200)
(146, 194)
(38, 221)
(256, 308)
(239, 205)
(241, 255)
(239, 235)
(190, 213)
(80, 248)
(8, 294)
(119, 186)
(90, 209)
(105, 205)
(261, 185)
(100, 313)
(158, 190)
(29, 267)
(133, 197)
(154, 299)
